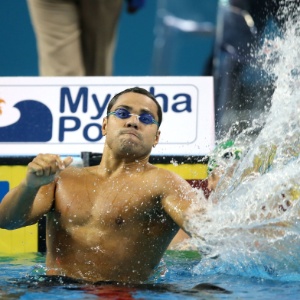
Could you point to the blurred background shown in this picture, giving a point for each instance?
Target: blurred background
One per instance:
(139, 50)
(172, 38)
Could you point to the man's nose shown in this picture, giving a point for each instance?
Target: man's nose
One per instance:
(133, 121)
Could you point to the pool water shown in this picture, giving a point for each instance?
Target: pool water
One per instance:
(22, 276)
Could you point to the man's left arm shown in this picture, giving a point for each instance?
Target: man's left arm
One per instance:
(179, 200)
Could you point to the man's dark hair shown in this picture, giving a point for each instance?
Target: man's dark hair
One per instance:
(137, 90)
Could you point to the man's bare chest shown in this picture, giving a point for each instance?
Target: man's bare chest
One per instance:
(119, 204)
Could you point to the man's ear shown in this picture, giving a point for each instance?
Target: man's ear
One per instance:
(156, 140)
(104, 126)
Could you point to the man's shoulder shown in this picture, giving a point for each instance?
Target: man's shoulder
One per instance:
(74, 172)
(166, 174)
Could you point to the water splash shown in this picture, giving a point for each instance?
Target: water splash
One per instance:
(253, 226)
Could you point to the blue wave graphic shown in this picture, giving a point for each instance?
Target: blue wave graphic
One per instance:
(34, 125)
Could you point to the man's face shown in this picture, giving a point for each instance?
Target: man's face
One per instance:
(213, 178)
(130, 136)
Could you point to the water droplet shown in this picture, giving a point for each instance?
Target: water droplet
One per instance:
(174, 162)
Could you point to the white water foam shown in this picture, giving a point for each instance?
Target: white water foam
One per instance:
(252, 224)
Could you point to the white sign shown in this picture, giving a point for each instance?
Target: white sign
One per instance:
(64, 115)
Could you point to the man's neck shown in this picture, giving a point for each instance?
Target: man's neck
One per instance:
(111, 165)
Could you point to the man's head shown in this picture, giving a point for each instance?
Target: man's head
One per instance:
(223, 158)
(137, 90)
(132, 123)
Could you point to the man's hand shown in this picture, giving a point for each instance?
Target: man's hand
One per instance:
(43, 169)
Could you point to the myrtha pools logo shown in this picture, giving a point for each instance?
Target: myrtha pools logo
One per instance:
(74, 114)
(26, 121)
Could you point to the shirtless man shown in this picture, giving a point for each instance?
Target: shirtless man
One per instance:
(111, 222)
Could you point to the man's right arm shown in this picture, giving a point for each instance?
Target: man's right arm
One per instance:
(28, 202)
(18, 207)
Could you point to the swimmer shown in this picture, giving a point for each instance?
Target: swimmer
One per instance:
(222, 162)
(113, 221)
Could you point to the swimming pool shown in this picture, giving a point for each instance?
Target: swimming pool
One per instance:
(22, 277)
(253, 229)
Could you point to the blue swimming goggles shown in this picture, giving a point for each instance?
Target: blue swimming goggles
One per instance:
(123, 113)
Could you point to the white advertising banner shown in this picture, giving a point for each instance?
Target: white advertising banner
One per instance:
(63, 115)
